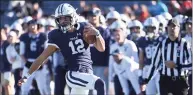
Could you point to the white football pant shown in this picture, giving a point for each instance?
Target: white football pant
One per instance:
(80, 83)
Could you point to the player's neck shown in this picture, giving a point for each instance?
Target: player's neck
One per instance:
(121, 42)
(119, 61)
(34, 32)
(71, 29)
(96, 25)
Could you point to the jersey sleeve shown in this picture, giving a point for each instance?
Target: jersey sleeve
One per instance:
(52, 39)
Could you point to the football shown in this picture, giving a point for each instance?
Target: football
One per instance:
(90, 39)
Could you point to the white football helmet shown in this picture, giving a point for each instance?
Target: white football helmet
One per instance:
(125, 18)
(113, 14)
(167, 16)
(162, 20)
(26, 19)
(41, 21)
(152, 21)
(50, 22)
(135, 23)
(118, 24)
(66, 9)
(180, 18)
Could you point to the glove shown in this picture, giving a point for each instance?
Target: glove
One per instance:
(142, 81)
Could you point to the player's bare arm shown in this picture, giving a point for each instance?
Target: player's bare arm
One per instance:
(38, 62)
(99, 43)
(141, 58)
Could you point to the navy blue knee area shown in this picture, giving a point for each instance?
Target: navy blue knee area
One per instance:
(100, 87)
(99, 84)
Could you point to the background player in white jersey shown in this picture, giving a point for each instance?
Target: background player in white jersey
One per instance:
(128, 47)
(147, 46)
(126, 69)
(188, 37)
(73, 39)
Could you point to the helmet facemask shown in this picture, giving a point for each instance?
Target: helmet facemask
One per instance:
(66, 11)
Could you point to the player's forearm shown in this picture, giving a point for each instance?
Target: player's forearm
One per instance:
(36, 64)
(40, 60)
(100, 44)
(23, 58)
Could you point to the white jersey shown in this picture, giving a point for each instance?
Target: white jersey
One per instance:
(12, 53)
(128, 48)
(127, 70)
(126, 64)
(189, 39)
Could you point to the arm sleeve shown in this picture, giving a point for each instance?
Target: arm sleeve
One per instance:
(188, 56)
(22, 48)
(134, 52)
(8, 55)
(111, 70)
(51, 40)
(155, 62)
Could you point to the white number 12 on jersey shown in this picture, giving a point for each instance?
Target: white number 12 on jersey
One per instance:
(80, 48)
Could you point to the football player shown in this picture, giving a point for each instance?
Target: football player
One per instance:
(31, 46)
(69, 39)
(136, 31)
(126, 69)
(128, 47)
(147, 46)
(162, 25)
(188, 37)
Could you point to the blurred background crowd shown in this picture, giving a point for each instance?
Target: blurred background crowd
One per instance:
(15, 17)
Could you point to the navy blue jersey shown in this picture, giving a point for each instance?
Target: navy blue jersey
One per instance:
(101, 58)
(5, 65)
(148, 46)
(34, 45)
(75, 50)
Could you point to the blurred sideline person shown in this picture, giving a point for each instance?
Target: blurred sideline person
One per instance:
(32, 44)
(60, 70)
(3, 39)
(136, 31)
(147, 45)
(188, 37)
(128, 47)
(75, 49)
(14, 58)
(7, 77)
(126, 69)
(111, 17)
(100, 59)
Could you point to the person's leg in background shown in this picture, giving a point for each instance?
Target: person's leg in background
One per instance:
(117, 86)
(8, 83)
(17, 76)
(190, 84)
(181, 87)
(1, 88)
(25, 88)
(60, 80)
(101, 71)
(165, 85)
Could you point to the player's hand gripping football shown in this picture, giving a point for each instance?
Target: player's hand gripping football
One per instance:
(90, 30)
(21, 81)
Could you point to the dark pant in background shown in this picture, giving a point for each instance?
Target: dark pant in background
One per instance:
(59, 79)
(174, 85)
(17, 77)
(190, 84)
(118, 88)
